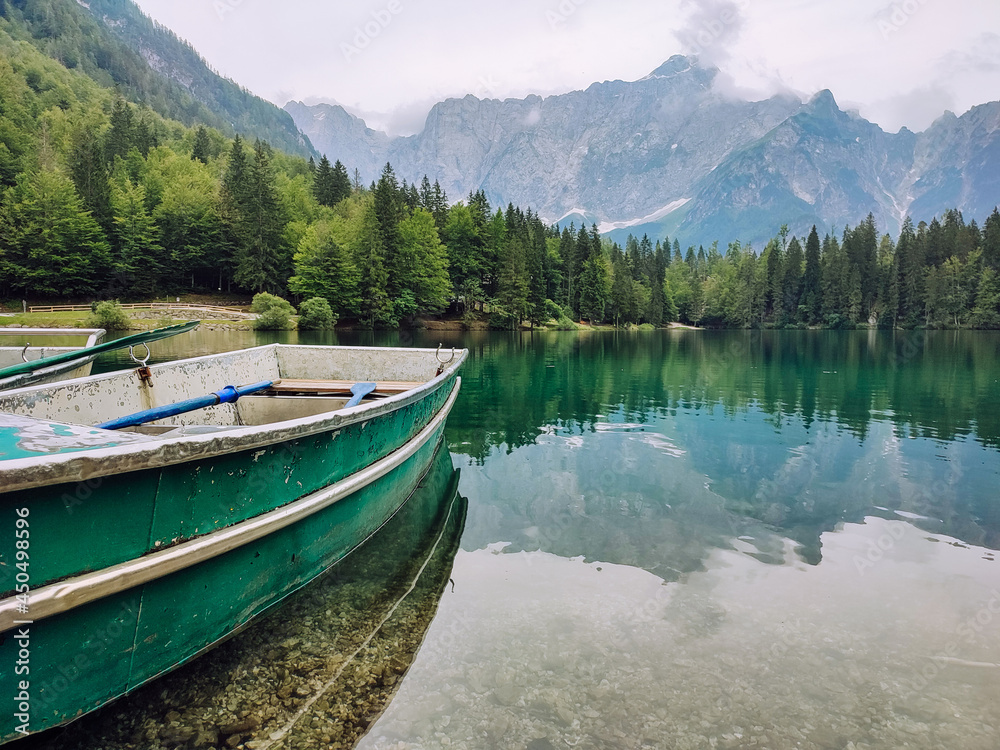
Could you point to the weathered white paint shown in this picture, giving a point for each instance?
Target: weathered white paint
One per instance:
(75, 592)
(92, 400)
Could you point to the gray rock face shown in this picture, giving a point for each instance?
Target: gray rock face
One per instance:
(670, 153)
(344, 136)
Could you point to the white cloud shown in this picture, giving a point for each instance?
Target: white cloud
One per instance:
(391, 59)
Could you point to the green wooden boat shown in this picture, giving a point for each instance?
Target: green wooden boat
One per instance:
(126, 552)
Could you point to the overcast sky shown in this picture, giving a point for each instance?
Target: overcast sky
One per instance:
(898, 63)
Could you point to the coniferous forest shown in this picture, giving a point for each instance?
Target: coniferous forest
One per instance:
(103, 198)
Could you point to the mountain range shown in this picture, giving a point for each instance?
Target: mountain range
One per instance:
(673, 154)
(118, 46)
(670, 154)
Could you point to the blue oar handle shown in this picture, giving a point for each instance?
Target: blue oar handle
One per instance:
(226, 395)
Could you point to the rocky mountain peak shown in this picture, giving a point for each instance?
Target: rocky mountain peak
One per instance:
(669, 154)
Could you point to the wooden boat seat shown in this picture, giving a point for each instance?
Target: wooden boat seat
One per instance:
(337, 388)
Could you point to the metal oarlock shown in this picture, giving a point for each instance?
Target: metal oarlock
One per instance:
(443, 363)
(141, 362)
(24, 352)
(143, 371)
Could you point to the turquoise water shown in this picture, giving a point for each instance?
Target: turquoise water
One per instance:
(694, 539)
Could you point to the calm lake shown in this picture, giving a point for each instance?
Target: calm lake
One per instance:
(695, 539)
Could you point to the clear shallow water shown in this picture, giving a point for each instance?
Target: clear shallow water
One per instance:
(698, 539)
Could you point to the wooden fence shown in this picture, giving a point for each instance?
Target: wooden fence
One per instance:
(142, 306)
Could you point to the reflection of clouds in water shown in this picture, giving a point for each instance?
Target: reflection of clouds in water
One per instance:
(663, 444)
(534, 646)
(656, 439)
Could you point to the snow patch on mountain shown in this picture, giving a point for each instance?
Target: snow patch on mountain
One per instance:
(608, 226)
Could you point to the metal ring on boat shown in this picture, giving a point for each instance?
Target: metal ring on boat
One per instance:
(135, 359)
(437, 355)
(24, 351)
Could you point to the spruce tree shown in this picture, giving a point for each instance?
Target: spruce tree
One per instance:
(88, 169)
(53, 246)
(341, 182)
(202, 149)
(389, 210)
(512, 287)
(910, 275)
(262, 261)
(376, 305)
(120, 136)
(324, 189)
(792, 281)
(991, 241)
(812, 293)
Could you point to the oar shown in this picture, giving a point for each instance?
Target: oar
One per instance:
(359, 391)
(143, 337)
(227, 395)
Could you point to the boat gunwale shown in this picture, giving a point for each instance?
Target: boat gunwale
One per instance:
(30, 379)
(47, 469)
(62, 596)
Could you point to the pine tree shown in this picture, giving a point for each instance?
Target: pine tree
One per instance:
(595, 288)
(536, 256)
(389, 210)
(836, 276)
(658, 303)
(324, 189)
(262, 259)
(440, 205)
(991, 240)
(88, 169)
(376, 306)
(202, 149)
(773, 260)
(792, 281)
(122, 132)
(144, 135)
(53, 246)
(621, 301)
(341, 182)
(812, 293)
(910, 275)
(512, 287)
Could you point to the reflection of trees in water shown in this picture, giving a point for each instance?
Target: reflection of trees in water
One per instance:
(941, 385)
(818, 389)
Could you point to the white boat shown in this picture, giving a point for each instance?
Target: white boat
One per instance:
(32, 349)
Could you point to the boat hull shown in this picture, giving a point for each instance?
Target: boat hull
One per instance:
(85, 657)
(148, 549)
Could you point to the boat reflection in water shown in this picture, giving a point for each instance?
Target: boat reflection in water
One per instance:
(321, 668)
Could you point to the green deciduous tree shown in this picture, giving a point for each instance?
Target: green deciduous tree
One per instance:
(324, 268)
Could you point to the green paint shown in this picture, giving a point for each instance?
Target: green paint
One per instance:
(87, 656)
